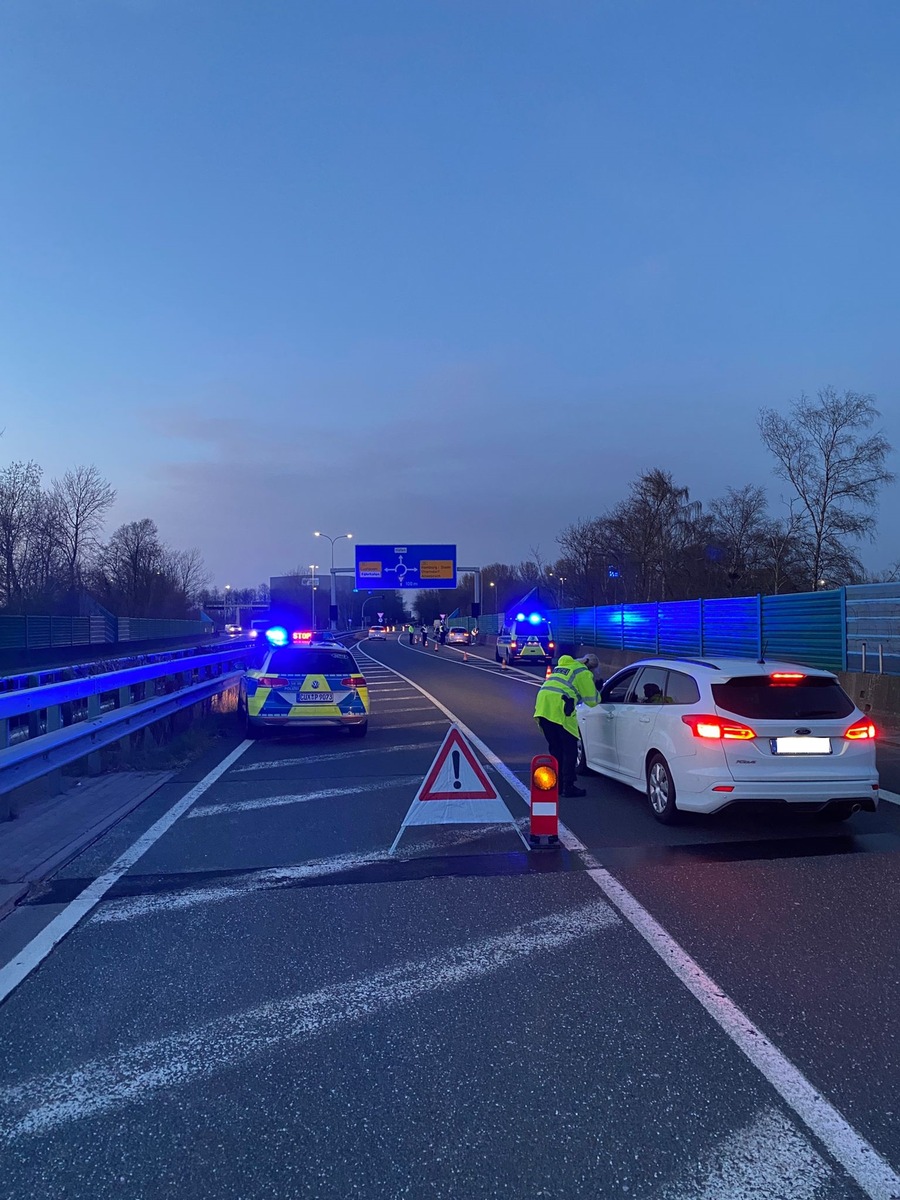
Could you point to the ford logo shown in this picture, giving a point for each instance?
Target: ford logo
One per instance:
(802, 731)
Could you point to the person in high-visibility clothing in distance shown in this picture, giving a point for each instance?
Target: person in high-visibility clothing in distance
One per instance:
(571, 681)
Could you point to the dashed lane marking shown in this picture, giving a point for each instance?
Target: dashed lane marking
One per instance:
(127, 908)
(215, 810)
(857, 1156)
(278, 763)
(44, 1104)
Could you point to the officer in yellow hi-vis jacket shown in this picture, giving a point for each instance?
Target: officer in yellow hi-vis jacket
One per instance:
(570, 680)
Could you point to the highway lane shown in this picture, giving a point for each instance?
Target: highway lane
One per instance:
(796, 920)
(264, 1004)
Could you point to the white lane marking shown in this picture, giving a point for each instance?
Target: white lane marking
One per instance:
(44, 1104)
(891, 797)
(857, 1156)
(394, 712)
(215, 810)
(514, 673)
(418, 724)
(32, 955)
(768, 1159)
(129, 907)
(278, 763)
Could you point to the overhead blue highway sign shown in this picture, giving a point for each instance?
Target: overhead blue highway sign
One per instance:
(406, 566)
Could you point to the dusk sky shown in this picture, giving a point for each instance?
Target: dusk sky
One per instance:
(437, 270)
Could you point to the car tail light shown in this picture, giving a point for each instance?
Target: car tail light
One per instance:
(512, 645)
(354, 681)
(549, 645)
(786, 677)
(715, 728)
(861, 731)
(272, 681)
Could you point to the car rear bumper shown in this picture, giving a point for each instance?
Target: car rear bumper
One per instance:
(811, 796)
(311, 722)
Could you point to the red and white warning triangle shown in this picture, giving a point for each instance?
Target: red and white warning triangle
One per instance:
(456, 791)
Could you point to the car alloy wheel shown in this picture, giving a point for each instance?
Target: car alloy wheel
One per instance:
(661, 790)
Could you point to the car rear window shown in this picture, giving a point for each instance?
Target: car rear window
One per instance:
(759, 696)
(526, 629)
(291, 661)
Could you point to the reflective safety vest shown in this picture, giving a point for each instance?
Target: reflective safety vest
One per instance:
(568, 679)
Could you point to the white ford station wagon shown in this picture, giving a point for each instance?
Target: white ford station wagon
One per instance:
(699, 735)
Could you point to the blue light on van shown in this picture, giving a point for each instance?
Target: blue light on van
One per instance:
(520, 616)
(535, 618)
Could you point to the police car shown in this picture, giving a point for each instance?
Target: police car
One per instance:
(298, 684)
(528, 639)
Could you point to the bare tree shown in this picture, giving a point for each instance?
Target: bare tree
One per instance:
(660, 529)
(836, 467)
(82, 498)
(20, 501)
(188, 572)
(740, 525)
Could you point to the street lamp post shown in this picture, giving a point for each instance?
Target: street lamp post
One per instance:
(378, 596)
(227, 598)
(560, 579)
(314, 567)
(493, 585)
(333, 612)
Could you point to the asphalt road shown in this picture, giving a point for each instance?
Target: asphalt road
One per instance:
(264, 1003)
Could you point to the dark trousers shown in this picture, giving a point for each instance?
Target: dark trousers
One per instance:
(564, 748)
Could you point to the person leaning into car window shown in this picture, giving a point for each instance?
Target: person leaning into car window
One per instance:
(570, 681)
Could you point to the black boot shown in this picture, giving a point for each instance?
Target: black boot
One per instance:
(573, 791)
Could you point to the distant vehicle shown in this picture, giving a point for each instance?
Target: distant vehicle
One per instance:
(233, 630)
(700, 735)
(458, 635)
(324, 636)
(528, 639)
(377, 633)
(258, 626)
(305, 686)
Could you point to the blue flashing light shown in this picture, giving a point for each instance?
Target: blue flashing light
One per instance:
(520, 616)
(277, 636)
(535, 618)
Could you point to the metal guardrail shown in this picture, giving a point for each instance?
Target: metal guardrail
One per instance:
(41, 676)
(42, 728)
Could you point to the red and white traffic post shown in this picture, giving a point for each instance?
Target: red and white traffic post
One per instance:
(544, 802)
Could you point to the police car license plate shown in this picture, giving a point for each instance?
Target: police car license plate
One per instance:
(315, 698)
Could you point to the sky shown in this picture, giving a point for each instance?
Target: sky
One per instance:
(437, 270)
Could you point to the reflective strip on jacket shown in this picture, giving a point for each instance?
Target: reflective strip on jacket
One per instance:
(568, 678)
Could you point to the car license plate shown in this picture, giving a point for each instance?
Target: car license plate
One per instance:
(315, 698)
(801, 745)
